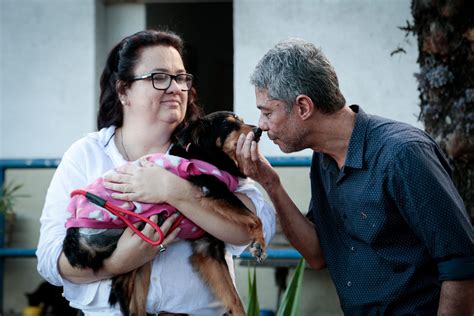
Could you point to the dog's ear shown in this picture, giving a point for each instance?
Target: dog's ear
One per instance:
(184, 136)
(196, 135)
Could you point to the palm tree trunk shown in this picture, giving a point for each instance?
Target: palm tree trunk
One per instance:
(445, 33)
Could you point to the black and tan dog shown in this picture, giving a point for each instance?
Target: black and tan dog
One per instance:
(212, 139)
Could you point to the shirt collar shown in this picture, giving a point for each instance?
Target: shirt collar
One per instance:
(108, 141)
(355, 152)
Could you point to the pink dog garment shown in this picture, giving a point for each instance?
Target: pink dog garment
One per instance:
(83, 213)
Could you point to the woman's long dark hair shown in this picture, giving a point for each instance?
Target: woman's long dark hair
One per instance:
(120, 65)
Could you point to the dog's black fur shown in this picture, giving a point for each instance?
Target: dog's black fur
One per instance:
(211, 139)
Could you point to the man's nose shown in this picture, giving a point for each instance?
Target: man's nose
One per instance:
(261, 124)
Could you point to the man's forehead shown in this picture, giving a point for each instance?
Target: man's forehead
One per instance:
(269, 105)
(265, 102)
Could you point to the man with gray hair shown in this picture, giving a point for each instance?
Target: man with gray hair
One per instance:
(384, 217)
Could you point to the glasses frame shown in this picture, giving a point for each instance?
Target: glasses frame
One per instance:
(173, 77)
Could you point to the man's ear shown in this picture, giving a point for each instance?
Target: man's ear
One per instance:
(304, 106)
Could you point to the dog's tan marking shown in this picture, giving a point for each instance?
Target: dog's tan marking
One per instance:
(230, 142)
(217, 276)
(139, 293)
(241, 216)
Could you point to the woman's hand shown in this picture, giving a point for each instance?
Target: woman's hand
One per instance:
(132, 251)
(146, 183)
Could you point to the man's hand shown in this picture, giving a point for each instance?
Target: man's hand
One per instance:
(253, 164)
(297, 228)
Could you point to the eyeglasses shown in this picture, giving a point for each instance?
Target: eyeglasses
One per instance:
(162, 80)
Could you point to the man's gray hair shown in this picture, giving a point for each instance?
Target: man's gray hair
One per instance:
(294, 67)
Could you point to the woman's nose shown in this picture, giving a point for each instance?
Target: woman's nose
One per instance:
(174, 87)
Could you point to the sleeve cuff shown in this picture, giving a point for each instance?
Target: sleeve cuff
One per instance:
(48, 257)
(456, 269)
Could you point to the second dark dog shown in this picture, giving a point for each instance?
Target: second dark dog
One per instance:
(212, 139)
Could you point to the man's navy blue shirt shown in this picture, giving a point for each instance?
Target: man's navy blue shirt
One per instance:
(390, 222)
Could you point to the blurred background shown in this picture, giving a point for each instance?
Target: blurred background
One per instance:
(52, 53)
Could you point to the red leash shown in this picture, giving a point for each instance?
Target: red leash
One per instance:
(120, 212)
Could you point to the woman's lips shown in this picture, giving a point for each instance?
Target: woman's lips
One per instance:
(172, 103)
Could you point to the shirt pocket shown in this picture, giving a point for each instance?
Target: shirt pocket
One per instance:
(363, 225)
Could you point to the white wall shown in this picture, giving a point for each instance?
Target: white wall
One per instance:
(123, 20)
(113, 23)
(48, 58)
(52, 52)
(357, 36)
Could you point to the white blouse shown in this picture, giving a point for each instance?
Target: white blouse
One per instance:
(174, 287)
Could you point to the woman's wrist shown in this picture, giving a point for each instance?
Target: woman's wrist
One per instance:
(78, 275)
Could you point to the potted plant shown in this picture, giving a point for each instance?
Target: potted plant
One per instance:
(8, 197)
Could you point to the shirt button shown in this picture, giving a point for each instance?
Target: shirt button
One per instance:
(349, 283)
(352, 248)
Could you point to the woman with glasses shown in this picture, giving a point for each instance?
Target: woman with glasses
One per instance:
(146, 98)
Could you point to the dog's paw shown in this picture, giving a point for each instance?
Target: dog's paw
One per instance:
(258, 251)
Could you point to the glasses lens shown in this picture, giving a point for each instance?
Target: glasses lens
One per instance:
(161, 81)
(184, 81)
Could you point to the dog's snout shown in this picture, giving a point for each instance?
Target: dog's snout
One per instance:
(257, 132)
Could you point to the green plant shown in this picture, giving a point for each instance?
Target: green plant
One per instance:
(253, 307)
(291, 298)
(8, 197)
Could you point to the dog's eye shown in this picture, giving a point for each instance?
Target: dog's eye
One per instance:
(228, 128)
(205, 190)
